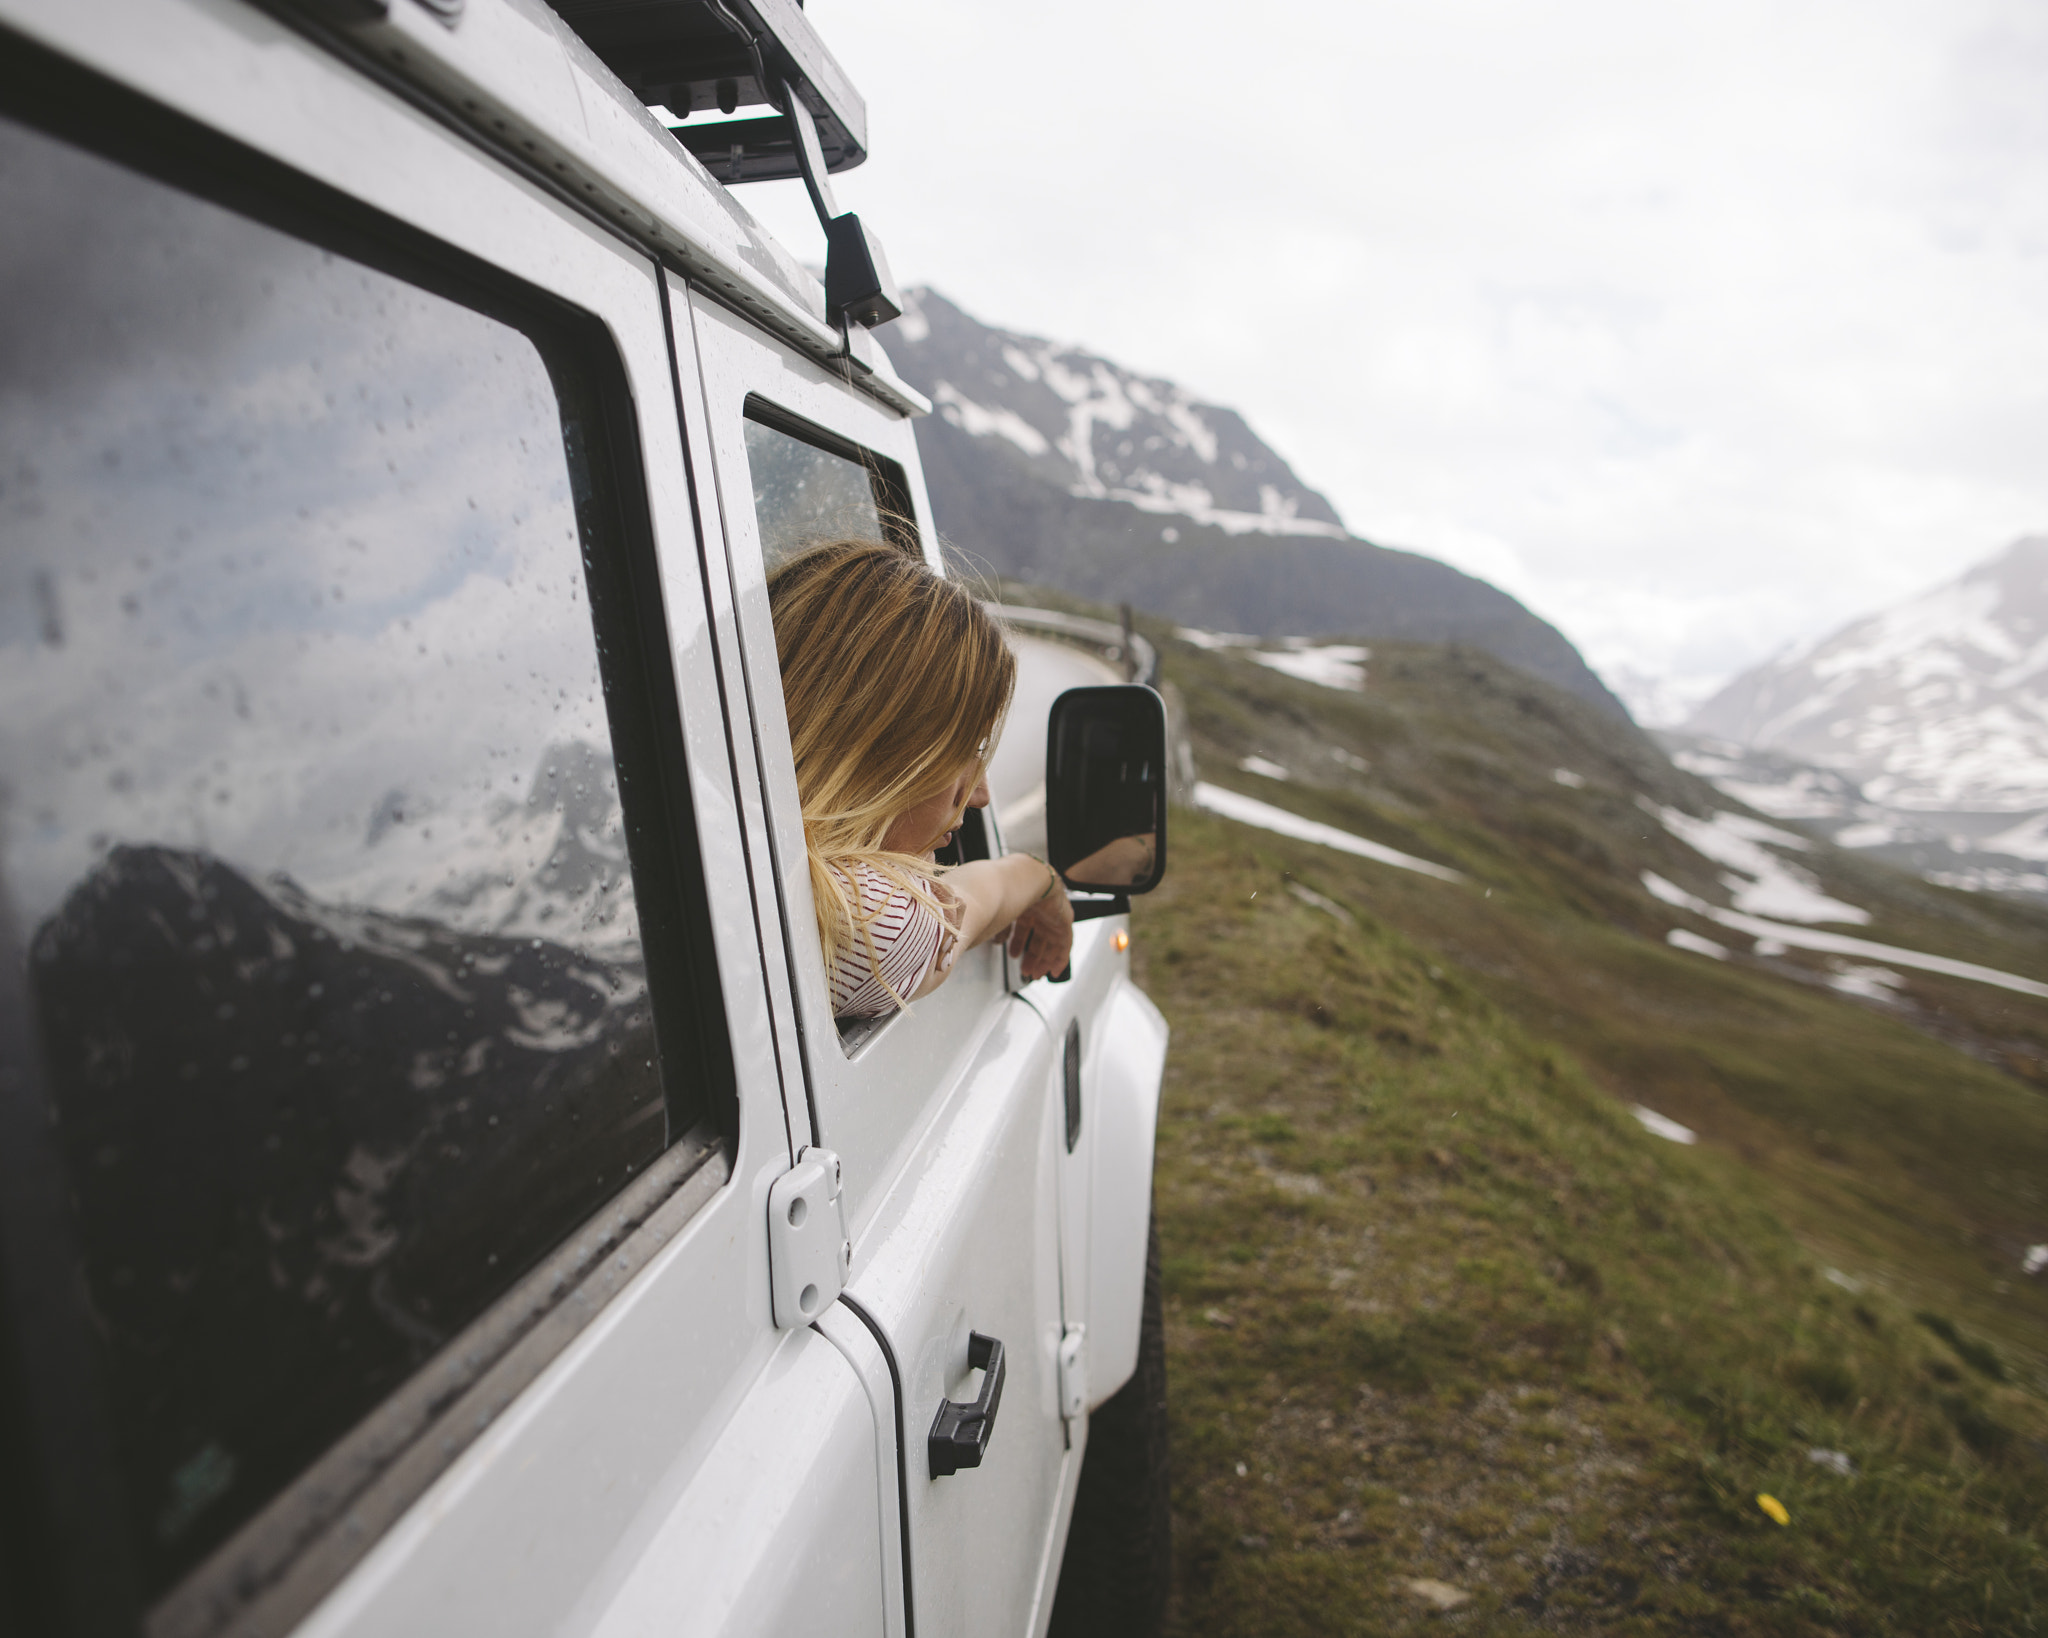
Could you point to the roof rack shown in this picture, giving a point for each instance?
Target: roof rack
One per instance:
(692, 56)
(687, 55)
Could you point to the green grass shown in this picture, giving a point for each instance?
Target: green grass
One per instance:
(1458, 1317)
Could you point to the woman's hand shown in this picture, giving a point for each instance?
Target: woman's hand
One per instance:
(1017, 896)
(1042, 938)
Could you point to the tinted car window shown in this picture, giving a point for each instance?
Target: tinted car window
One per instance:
(309, 815)
(804, 494)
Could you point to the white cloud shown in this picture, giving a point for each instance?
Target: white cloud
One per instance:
(279, 605)
(1701, 327)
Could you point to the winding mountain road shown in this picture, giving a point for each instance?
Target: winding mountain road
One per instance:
(1016, 772)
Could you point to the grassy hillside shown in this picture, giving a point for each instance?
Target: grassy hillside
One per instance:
(1441, 1311)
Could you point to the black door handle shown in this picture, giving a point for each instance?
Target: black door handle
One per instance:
(960, 1432)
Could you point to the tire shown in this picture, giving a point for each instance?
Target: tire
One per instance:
(1119, 1564)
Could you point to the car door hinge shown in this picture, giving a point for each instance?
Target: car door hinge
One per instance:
(809, 1254)
(1074, 1372)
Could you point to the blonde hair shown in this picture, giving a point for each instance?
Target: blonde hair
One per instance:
(895, 679)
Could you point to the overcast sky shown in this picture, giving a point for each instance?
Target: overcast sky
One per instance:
(1700, 327)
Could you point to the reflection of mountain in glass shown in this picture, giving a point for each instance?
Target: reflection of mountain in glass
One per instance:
(307, 1144)
(550, 866)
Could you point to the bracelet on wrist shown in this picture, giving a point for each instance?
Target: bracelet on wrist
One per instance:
(1052, 880)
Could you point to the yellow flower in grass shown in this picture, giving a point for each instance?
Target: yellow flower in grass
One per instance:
(1775, 1509)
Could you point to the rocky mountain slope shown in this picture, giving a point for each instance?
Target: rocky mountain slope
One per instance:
(1056, 466)
(1920, 732)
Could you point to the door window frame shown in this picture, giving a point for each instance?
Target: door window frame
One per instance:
(867, 1102)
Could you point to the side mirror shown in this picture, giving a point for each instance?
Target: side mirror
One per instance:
(1105, 789)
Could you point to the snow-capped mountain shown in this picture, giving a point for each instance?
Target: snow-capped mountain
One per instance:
(1655, 701)
(1104, 432)
(551, 866)
(1919, 733)
(1053, 465)
(1937, 704)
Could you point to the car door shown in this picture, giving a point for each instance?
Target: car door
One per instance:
(944, 1116)
(388, 1081)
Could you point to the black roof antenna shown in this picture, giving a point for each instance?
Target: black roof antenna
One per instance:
(859, 287)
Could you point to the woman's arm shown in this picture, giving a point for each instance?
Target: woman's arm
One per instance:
(1015, 892)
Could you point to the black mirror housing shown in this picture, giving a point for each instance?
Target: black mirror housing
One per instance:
(1105, 789)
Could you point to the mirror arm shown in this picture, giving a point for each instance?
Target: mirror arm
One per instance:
(1090, 907)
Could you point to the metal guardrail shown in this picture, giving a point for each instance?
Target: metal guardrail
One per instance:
(1138, 657)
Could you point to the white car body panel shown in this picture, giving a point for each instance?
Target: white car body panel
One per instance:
(1121, 1079)
(682, 1466)
(967, 1239)
(796, 1464)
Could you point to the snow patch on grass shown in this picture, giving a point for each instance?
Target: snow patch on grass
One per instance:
(1334, 665)
(1214, 641)
(1663, 1126)
(1774, 938)
(1762, 883)
(1249, 810)
(1872, 983)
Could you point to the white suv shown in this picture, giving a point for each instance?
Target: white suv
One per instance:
(435, 1197)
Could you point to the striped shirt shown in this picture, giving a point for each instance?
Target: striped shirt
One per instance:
(909, 942)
